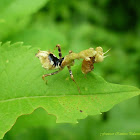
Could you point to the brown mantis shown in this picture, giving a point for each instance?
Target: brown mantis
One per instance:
(90, 56)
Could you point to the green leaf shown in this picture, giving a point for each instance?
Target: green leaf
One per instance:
(15, 14)
(38, 119)
(22, 89)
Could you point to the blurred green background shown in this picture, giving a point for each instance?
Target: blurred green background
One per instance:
(78, 25)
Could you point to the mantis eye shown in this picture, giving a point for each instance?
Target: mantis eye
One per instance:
(99, 49)
(99, 58)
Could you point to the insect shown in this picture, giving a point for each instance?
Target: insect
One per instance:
(50, 62)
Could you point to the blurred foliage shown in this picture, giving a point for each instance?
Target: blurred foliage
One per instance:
(80, 24)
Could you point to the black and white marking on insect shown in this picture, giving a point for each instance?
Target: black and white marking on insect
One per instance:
(55, 61)
(70, 72)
